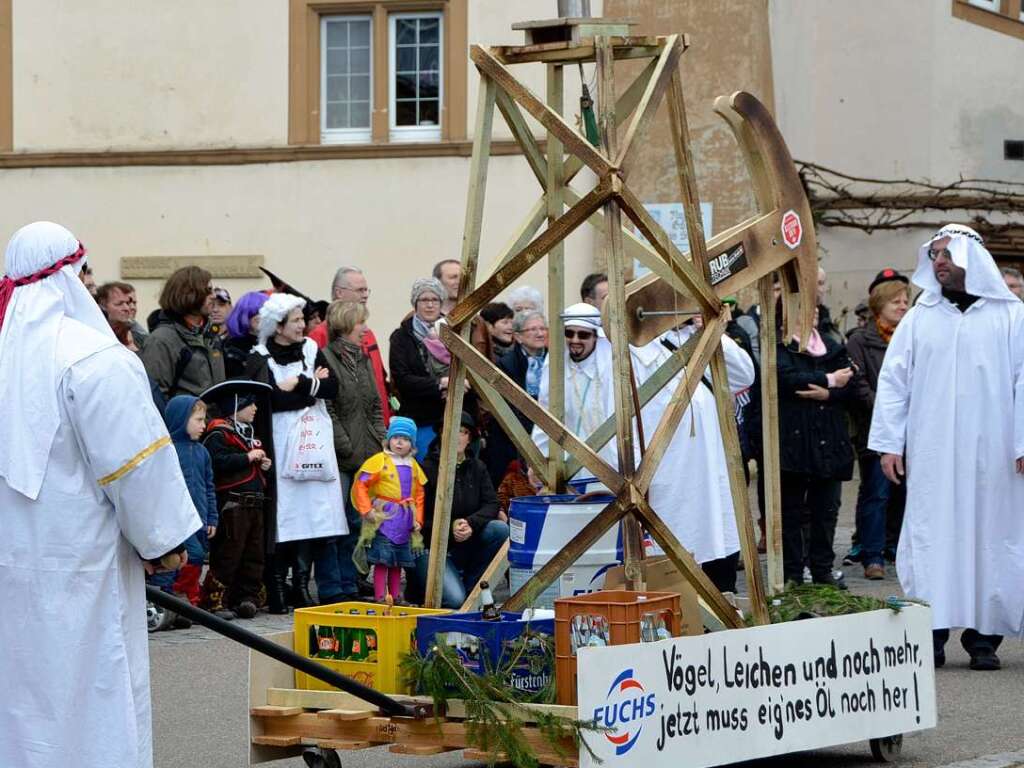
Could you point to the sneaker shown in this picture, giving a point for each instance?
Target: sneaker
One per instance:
(226, 614)
(832, 579)
(853, 556)
(246, 610)
(180, 622)
(874, 572)
(940, 659)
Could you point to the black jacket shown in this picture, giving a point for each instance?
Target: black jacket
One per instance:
(257, 369)
(813, 434)
(418, 390)
(867, 351)
(473, 497)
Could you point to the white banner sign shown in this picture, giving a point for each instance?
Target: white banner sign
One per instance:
(748, 693)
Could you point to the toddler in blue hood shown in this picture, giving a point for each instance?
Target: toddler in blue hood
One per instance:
(185, 417)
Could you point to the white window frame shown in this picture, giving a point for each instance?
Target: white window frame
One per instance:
(342, 135)
(414, 132)
(987, 5)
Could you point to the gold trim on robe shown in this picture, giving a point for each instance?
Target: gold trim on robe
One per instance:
(135, 460)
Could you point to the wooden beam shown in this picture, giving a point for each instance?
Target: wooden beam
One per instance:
(495, 570)
(668, 66)
(599, 438)
(556, 277)
(726, 408)
(470, 305)
(688, 567)
(615, 304)
(627, 47)
(709, 339)
(623, 108)
(567, 555)
(539, 415)
(521, 238)
(550, 119)
(511, 426)
(770, 464)
(682, 269)
(524, 136)
(456, 373)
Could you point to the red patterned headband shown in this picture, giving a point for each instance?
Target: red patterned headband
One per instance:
(7, 284)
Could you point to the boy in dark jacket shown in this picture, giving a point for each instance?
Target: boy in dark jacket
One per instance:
(185, 417)
(232, 586)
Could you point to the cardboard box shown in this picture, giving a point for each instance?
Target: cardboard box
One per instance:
(660, 575)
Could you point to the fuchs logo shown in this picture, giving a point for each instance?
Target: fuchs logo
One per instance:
(627, 704)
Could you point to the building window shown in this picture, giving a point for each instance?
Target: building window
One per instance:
(415, 68)
(1005, 16)
(346, 79)
(377, 71)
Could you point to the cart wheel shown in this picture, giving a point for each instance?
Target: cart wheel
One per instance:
(158, 618)
(887, 749)
(316, 757)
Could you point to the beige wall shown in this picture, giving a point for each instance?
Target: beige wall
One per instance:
(393, 218)
(149, 74)
(892, 89)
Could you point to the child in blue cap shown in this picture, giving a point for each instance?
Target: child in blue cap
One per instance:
(388, 492)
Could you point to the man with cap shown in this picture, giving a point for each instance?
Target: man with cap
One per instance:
(220, 308)
(951, 399)
(91, 495)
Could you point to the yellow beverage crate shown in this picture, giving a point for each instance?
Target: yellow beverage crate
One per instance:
(359, 641)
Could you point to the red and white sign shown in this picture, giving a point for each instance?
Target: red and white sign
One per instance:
(792, 229)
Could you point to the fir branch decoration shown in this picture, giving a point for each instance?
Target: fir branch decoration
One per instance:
(495, 711)
(808, 601)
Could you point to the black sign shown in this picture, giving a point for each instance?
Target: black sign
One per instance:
(728, 264)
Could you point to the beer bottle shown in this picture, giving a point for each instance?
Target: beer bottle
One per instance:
(488, 610)
(313, 641)
(370, 638)
(325, 643)
(357, 644)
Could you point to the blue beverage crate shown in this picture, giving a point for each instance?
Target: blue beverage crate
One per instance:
(530, 676)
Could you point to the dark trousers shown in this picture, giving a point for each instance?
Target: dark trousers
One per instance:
(722, 571)
(336, 576)
(818, 499)
(872, 504)
(236, 552)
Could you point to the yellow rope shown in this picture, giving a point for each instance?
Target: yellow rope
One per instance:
(135, 460)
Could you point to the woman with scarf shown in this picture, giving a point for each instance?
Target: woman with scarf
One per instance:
(242, 325)
(815, 451)
(358, 422)
(419, 362)
(308, 509)
(888, 303)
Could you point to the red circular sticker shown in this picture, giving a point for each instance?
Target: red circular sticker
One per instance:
(792, 229)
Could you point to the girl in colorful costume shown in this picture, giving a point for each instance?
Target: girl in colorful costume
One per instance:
(388, 492)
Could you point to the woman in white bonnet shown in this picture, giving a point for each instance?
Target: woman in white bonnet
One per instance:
(306, 510)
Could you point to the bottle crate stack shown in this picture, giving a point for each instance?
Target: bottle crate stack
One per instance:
(364, 641)
(614, 617)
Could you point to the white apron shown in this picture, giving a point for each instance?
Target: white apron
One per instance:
(306, 509)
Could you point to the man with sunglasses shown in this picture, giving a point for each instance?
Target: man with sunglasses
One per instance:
(950, 399)
(589, 397)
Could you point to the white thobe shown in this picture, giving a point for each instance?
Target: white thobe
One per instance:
(951, 394)
(691, 490)
(74, 659)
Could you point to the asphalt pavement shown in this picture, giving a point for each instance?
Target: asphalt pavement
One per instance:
(200, 702)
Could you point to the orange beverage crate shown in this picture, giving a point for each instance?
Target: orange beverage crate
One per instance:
(622, 613)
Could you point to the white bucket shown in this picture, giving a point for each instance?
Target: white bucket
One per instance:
(540, 526)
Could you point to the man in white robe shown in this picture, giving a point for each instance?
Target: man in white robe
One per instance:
(691, 493)
(690, 490)
(90, 491)
(951, 399)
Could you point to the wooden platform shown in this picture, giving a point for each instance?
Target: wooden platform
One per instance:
(335, 720)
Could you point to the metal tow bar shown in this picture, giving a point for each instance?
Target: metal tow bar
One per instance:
(386, 704)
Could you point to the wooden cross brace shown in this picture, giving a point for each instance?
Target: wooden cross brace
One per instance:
(677, 279)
